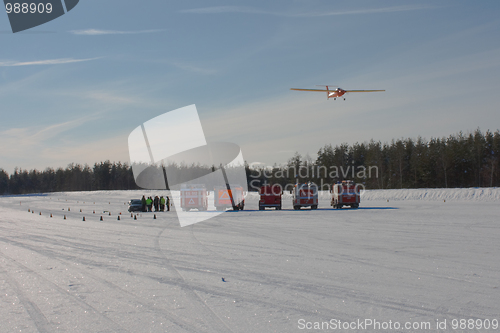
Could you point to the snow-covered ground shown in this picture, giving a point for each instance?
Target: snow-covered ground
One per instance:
(416, 256)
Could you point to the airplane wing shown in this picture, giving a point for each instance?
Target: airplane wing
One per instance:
(321, 90)
(362, 90)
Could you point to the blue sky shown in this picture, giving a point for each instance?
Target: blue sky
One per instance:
(73, 89)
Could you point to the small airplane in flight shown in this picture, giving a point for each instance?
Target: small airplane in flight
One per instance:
(339, 92)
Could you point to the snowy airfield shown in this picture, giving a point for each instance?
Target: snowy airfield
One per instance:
(406, 257)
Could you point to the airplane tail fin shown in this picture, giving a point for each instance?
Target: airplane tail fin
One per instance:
(327, 89)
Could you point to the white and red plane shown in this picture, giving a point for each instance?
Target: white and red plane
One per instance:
(339, 92)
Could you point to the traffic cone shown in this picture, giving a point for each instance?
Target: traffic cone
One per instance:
(80, 210)
(29, 210)
(32, 212)
(40, 213)
(50, 214)
(64, 217)
(131, 215)
(154, 217)
(93, 212)
(83, 218)
(135, 217)
(69, 209)
(118, 218)
(109, 213)
(101, 219)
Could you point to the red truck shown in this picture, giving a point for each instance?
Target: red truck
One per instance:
(270, 196)
(222, 197)
(305, 195)
(345, 193)
(194, 197)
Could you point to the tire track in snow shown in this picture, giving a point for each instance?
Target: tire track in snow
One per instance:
(187, 326)
(80, 245)
(213, 320)
(39, 319)
(267, 281)
(361, 297)
(114, 326)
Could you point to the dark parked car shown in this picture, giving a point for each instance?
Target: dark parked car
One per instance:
(135, 205)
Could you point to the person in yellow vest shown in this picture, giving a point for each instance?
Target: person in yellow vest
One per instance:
(149, 203)
(162, 203)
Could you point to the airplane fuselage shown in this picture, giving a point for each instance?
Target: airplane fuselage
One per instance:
(337, 93)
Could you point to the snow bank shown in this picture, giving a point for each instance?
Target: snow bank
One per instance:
(429, 194)
(432, 194)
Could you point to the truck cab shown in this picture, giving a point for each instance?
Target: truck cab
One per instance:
(223, 196)
(305, 195)
(345, 193)
(270, 196)
(194, 197)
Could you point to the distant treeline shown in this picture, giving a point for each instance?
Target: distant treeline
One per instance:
(461, 160)
(102, 176)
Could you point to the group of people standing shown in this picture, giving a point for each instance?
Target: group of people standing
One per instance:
(159, 203)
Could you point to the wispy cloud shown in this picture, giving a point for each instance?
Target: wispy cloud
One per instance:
(43, 62)
(225, 9)
(97, 32)
(195, 69)
(111, 98)
(251, 10)
(17, 140)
